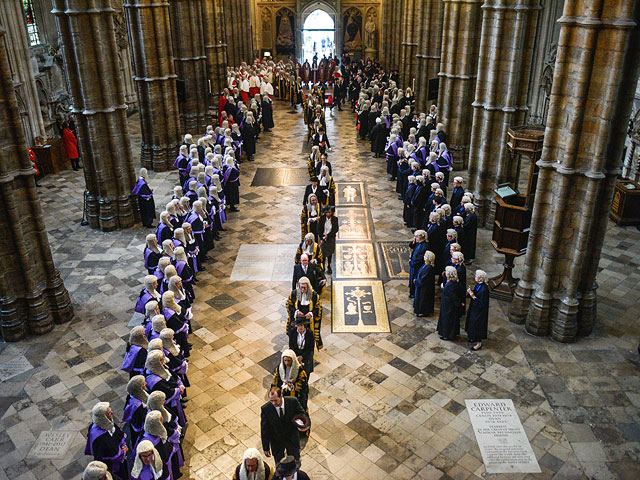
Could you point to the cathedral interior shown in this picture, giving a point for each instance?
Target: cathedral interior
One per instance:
(540, 95)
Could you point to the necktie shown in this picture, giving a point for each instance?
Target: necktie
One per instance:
(280, 413)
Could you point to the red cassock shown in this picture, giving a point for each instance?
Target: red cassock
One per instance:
(222, 102)
(32, 157)
(70, 144)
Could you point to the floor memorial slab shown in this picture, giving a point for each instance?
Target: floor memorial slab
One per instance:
(13, 367)
(355, 260)
(501, 437)
(52, 444)
(354, 223)
(280, 177)
(264, 263)
(396, 257)
(359, 306)
(351, 194)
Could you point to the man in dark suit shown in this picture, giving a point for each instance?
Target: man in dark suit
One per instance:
(311, 271)
(301, 341)
(314, 188)
(277, 430)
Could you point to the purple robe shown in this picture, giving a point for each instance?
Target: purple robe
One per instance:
(129, 410)
(159, 230)
(136, 188)
(144, 298)
(130, 359)
(174, 400)
(180, 268)
(117, 461)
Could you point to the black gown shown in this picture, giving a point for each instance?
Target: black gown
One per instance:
(147, 205)
(449, 318)
(249, 139)
(470, 234)
(267, 115)
(425, 290)
(107, 446)
(478, 314)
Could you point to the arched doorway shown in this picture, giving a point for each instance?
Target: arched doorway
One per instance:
(318, 36)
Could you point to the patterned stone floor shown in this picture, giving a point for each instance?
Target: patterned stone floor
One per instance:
(383, 405)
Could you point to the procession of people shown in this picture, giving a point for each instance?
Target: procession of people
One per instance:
(149, 444)
(420, 163)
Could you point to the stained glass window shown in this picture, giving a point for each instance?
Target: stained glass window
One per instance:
(32, 27)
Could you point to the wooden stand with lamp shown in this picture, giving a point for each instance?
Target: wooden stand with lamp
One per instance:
(513, 210)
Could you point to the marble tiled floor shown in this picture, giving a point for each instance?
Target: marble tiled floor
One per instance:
(383, 405)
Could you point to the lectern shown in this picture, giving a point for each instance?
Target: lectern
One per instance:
(513, 210)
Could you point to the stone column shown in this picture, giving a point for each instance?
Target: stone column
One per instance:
(187, 33)
(238, 31)
(125, 57)
(594, 79)
(90, 51)
(458, 65)
(215, 46)
(12, 19)
(32, 295)
(409, 43)
(506, 49)
(396, 34)
(429, 45)
(386, 22)
(155, 77)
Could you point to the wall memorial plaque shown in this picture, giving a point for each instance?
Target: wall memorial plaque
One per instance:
(52, 444)
(350, 194)
(359, 306)
(396, 257)
(355, 260)
(354, 223)
(502, 440)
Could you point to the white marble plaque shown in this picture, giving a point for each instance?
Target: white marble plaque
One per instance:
(13, 367)
(52, 444)
(502, 440)
(264, 263)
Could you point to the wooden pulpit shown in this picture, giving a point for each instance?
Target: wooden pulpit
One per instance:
(513, 210)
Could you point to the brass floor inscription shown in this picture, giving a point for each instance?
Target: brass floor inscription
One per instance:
(350, 194)
(359, 306)
(396, 258)
(355, 260)
(354, 223)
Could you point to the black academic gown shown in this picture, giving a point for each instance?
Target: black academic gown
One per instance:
(248, 139)
(456, 198)
(147, 205)
(425, 290)
(478, 314)
(267, 115)
(449, 318)
(469, 239)
(378, 137)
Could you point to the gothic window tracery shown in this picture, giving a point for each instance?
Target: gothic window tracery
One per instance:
(32, 26)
